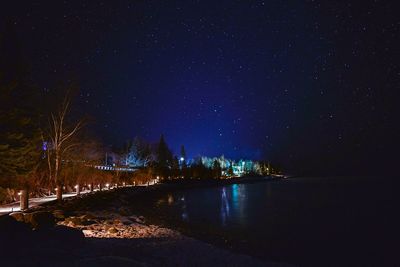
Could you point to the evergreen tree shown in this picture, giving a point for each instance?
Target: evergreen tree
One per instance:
(175, 171)
(230, 169)
(139, 153)
(163, 158)
(216, 170)
(183, 153)
(20, 142)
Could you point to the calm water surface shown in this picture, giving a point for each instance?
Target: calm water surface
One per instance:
(306, 221)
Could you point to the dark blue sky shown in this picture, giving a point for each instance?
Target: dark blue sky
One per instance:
(309, 85)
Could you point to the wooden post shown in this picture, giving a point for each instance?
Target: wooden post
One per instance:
(59, 192)
(78, 189)
(24, 199)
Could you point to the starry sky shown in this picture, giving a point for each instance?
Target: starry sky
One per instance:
(310, 85)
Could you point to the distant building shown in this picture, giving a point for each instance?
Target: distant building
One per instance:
(239, 168)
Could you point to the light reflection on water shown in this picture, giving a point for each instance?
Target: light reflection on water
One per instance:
(170, 199)
(201, 204)
(185, 215)
(224, 206)
(281, 217)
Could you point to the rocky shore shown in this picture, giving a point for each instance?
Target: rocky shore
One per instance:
(100, 230)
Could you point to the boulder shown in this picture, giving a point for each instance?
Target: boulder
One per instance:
(59, 214)
(74, 221)
(112, 230)
(126, 221)
(124, 211)
(87, 219)
(79, 221)
(40, 219)
(19, 216)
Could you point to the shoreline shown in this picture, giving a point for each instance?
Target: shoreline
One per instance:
(114, 235)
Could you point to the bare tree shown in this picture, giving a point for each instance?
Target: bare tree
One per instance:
(61, 140)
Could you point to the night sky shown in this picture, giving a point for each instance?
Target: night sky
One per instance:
(310, 85)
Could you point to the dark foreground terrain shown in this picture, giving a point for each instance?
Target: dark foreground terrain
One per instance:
(101, 230)
(301, 222)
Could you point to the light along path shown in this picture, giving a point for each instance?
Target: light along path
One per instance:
(15, 206)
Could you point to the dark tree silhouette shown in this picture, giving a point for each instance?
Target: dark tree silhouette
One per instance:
(163, 158)
(20, 143)
(217, 171)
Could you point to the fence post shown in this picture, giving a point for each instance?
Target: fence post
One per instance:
(24, 199)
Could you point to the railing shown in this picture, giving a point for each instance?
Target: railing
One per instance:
(113, 168)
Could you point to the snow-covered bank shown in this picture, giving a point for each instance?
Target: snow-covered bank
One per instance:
(112, 237)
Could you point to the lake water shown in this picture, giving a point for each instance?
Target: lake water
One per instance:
(305, 221)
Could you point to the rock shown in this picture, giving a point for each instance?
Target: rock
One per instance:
(124, 211)
(117, 221)
(87, 219)
(40, 219)
(136, 219)
(74, 221)
(19, 216)
(88, 222)
(87, 232)
(112, 230)
(59, 214)
(79, 221)
(126, 221)
(84, 217)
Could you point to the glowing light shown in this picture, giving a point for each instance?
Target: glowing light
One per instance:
(170, 199)
(19, 193)
(44, 146)
(76, 186)
(182, 158)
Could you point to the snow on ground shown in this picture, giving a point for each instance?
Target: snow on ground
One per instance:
(116, 239)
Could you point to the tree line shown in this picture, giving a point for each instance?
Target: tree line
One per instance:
(46, 146)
